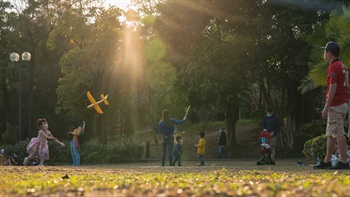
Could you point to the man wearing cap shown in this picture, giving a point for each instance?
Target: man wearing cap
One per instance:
(336, 107)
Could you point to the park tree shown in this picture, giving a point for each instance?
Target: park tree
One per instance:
(221, 48)
(334, 30)
(90, 64)
(33, 22)
(199, 40)
(8, 72)
(214, 55)
(157, 89)
(282, 61)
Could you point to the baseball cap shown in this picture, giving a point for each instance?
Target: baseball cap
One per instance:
(332, 47)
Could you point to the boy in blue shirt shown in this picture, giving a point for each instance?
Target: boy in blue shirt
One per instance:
(178, 150)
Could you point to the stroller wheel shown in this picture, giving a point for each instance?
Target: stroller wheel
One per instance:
(271, 162)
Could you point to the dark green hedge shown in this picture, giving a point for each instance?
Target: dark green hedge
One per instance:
(316, 147)
(90, 152)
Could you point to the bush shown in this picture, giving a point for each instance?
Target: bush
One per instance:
(58, 153)
(90, 152)
(10, 134)
(93, 152)
(316, 147)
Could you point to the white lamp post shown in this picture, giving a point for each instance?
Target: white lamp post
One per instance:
(14, 57)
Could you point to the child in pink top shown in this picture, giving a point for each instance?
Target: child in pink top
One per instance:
(38, 147)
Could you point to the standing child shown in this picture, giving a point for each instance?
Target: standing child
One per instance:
(74, 144)
(38, 147)
(201, 148)
(222, 143)
(178, 150)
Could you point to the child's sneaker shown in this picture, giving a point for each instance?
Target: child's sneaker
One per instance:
(323, 165)
(25, 162)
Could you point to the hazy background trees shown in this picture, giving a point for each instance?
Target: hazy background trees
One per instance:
(228, 59)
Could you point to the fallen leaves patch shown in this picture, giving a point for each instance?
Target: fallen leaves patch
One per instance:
(57, 181)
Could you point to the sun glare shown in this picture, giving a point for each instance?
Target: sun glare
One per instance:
(123, 4)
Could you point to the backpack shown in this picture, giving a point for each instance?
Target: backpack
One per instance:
(81, 136)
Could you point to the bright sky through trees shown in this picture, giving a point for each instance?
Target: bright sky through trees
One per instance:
(118, 3)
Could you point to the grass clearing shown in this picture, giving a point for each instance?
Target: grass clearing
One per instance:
(247, 136)
(218, 178)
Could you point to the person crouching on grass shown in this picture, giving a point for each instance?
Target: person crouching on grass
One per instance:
(38, 147)
(201, 148)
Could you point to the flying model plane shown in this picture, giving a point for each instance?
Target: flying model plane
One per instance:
(95, 104)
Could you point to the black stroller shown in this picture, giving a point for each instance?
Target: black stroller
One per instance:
(11, 158)
(265, 158)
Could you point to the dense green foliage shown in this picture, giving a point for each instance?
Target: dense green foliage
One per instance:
(227, 59)
(90, 152)
(315, 148)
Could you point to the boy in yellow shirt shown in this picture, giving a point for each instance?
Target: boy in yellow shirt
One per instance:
(201, 148)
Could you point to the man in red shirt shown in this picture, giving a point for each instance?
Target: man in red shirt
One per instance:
(336, 107)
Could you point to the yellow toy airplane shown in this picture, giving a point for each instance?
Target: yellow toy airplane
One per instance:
(95, 104)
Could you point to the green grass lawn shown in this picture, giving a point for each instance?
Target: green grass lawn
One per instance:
(217, 178)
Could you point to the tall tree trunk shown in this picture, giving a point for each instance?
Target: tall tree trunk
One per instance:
(8, 112)
(7, 115)
(30, 94)
(266, 94)
(101, 130)
(299, 111)
(232, 116)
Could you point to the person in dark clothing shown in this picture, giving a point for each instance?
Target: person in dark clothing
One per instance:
(166, 128)
(272, 124)
(178, 150)
(222, 143)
